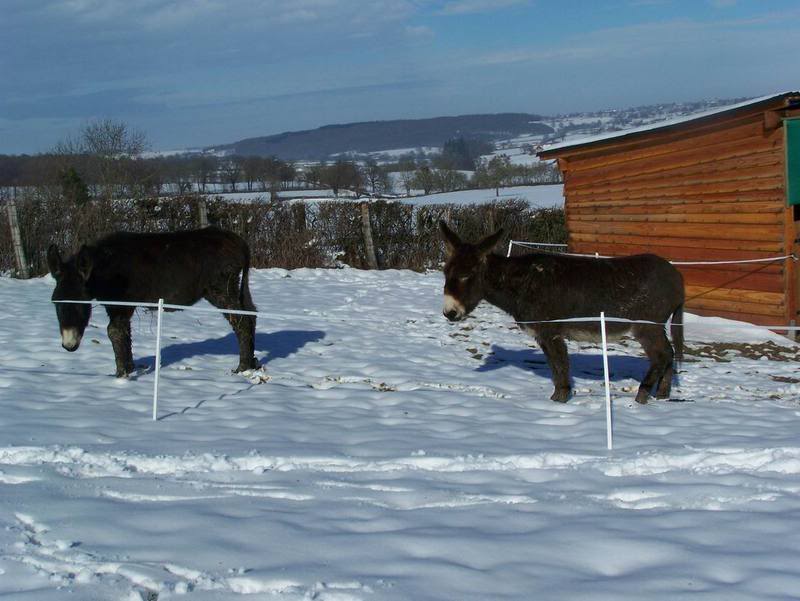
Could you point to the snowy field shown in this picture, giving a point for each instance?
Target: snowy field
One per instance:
(537, 196)
(546, 196)
(390, 456)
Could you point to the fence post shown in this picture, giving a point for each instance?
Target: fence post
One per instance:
(510, 243)
(366, 229)
(158, 357)
(16, 238)
(202, 209)
(609, 429)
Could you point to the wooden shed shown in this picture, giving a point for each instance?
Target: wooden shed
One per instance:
(722, 185)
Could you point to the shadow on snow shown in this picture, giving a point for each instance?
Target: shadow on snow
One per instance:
(277, 345)
(585, 366)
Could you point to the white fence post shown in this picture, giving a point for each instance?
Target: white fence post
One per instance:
(609, 429)
(510, 243)
(158, 357)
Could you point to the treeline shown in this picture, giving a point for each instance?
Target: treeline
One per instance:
(82, 176)
(79, 177)
(106, 160)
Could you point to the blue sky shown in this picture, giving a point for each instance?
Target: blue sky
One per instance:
(200, 72)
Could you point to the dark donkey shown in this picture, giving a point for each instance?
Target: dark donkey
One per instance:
(180, 267)
(545, 286)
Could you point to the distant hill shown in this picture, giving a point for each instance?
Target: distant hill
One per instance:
(376, 136)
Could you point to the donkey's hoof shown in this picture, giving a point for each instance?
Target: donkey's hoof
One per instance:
(662, 395)
(124, 372)
(642, 396)
(561, 395)
(246, 365)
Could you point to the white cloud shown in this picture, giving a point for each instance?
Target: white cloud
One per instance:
(657, 39)
(166, 14)
(461, 7)
(419, 31)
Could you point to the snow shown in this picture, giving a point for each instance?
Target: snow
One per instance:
(545, 196)
(390, 456)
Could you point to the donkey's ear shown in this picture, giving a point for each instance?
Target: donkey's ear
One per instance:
(84, 262)
(488, 243)
(451, 239)
(54, 260)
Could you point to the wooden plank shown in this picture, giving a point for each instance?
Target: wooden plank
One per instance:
(720, 157)
(594, 239)
(678, 189)
(657, 148)
(676, 253)
(776, 196)
(705, 172)
(696, 231)
(744, 126)
(718, 306)
(683, 208)
(735, 295)
(716, 218)
(761, 281)
(667, 180)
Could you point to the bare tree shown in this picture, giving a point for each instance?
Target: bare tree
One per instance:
(342, 175)
(231, 171)
(407, 167)
(376, 177)
(110, 145)
(112, 139)
(250, 170)
(204, 168)
(424, 178)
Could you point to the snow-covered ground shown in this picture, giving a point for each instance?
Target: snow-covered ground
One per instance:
(537, 196)
(391, 456)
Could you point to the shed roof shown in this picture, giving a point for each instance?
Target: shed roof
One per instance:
(670, 124)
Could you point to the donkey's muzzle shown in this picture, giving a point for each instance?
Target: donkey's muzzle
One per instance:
(71, 339)
(453, 309)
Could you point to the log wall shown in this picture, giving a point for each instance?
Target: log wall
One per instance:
(703, 193)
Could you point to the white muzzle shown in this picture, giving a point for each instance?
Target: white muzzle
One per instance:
(70, 339)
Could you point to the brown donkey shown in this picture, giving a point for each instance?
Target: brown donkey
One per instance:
(545, 286)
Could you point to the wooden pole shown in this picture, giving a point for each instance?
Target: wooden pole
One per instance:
(158, 357)
(366, 229)
(202, 209)
(606, 381)
(16, 238)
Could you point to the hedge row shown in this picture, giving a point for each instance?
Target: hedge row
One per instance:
(281, 234)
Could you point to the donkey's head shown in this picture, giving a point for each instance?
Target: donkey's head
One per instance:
(71, 277)
(464, 272)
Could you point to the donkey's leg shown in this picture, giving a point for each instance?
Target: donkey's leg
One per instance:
(119, 332)
(225, 295)
(665, 383)
(656, 346)
(555, 350)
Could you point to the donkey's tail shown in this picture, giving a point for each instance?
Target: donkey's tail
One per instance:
(676, 331)
(245, 300)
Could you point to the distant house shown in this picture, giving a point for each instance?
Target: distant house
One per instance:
(722, 185)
